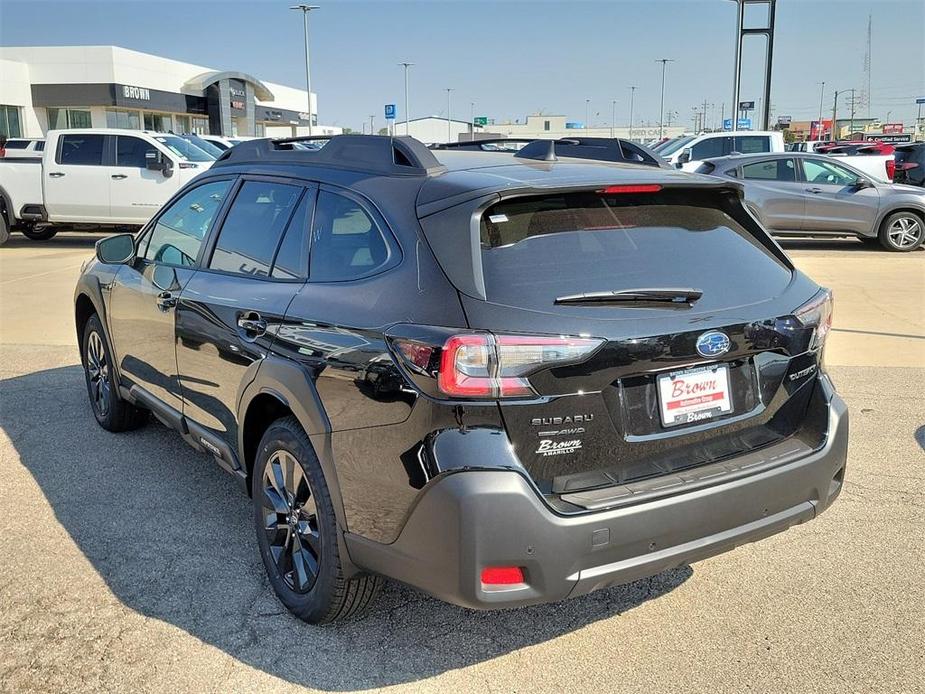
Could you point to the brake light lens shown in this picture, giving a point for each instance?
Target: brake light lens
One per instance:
(482, 365)
(890, 168)
(502, 575)
(631, 188)
(817, 313)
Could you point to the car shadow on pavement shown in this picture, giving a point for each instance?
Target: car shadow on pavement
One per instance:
(172, 537)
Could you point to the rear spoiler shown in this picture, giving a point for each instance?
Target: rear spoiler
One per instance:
(609, 149)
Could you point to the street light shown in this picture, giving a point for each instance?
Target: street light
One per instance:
(308, 73)
(449, 127)
(587, 113)
(632, 94)
(406, 66)
(661, 108)
(371, 120)
(613, 115)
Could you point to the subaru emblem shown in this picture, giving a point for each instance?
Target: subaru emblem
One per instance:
(712, 344)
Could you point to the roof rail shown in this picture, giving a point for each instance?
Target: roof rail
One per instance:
(396, 156)
(612, 149)
(478, 145)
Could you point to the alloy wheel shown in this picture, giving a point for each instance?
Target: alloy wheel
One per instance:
(291, 521)
(98, 373)
(905, 231)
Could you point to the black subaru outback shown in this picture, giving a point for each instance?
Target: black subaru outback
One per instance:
(503, 379)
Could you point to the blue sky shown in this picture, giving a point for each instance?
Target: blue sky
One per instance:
(511, 58)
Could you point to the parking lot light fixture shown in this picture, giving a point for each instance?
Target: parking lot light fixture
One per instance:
(305, 9)
(632, 98)
(407, 114)
(449, 127)
(661, 108)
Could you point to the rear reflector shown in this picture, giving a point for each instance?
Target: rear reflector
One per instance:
(641, 188)
(502, 575)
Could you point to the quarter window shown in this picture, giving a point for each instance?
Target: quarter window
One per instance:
(81, 150)
(180, 230)
(292, 256)
(253, 228)
(130, 151)
(346, 243)
(775, 170)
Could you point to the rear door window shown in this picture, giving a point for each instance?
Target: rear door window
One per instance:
(752, 144)
(253, 227)
(711, 147)
(782, 170)
(81, 150)
(536, 249)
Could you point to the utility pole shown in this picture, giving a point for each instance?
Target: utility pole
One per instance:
(821, 98)
(305, 9)
(406, 66)
(632, 94)
(449, 126)
(661, 108)
(703, 121)
(613, 116)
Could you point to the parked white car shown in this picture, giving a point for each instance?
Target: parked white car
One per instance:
(223, 142)
(686, 152)
(100, 177)
(24, 148)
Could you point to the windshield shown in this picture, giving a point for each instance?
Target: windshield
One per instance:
(184, 148)
(204, 145)
(673, 146)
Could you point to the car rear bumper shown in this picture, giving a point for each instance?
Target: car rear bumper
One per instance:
(466, 521)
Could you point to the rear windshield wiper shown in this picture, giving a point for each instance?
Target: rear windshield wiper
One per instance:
(667, 295)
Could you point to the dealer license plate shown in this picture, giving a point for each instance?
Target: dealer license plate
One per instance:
(694, 395)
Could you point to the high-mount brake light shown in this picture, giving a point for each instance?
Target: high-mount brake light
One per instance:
(817, 313)
(631, 188)
(482, 365)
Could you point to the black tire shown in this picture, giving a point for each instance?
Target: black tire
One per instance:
(41, 234)
(111, 411)
(297, 530)
(902, 232)
(4, 229)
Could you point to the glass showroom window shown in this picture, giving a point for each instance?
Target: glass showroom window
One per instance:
(10, 122)
(64, 118)
(200, 126)
(183, 124)
(260, 130)
(130, 120)
(158, 122)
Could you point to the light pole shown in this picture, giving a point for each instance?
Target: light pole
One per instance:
(587, 113)
(632, 94)
(371, 120)
(472, 119)
(449, 126)
(406, 66)
(308, 72)
(613, 116)
(821, 98)
(661, 108)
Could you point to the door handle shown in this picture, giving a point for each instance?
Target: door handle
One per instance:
(252, 324)
(55, 174)
(118, 177)
(166, 301)
(814, 190)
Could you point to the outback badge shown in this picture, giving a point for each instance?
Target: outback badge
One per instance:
(712, 344)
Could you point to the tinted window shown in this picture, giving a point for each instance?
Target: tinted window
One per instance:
(752, 144)
(84, 150)
(820, 171)
(17, 144)
(180, 230)
(712, 147)
(40, 146)
(775, 170)
(292, 257)
(540, 248)
(253, 227)
(346, 243)
(130, 151)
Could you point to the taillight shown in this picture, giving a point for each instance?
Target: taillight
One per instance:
(483, 365)
(890, 168)
(817, 313)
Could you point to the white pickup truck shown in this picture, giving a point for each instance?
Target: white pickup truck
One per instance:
(96, 177)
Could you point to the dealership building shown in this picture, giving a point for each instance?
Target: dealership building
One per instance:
(56, 87)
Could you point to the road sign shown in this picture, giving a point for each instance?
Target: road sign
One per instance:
(744, 124)
(784, 120)
(920, 101)
(390, 111)
(746, 105)
(481, 120)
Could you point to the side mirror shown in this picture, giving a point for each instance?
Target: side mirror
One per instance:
(863, 184)
(167, 167)
(685, 155)
(154, 160)
(116, 250)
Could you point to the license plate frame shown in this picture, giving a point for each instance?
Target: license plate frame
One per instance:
(707, 402)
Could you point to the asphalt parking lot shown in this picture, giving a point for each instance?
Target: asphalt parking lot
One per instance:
(127, 562)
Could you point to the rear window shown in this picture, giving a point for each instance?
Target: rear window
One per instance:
(17, 144)
(539, 248)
